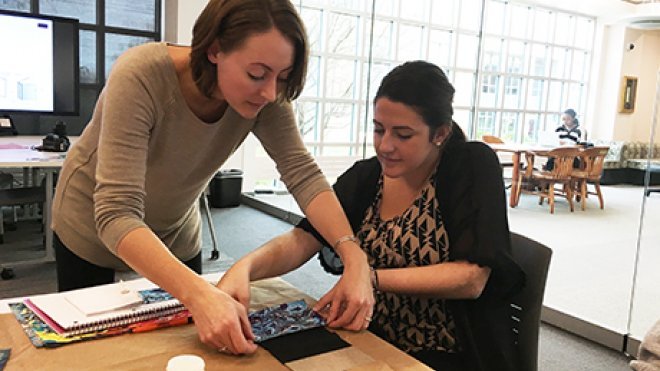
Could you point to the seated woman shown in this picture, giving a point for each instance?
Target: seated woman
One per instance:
(569, 134)
(429, 211)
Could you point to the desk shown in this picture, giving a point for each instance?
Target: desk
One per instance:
(17, 152)
(516, 149)
(152, 350)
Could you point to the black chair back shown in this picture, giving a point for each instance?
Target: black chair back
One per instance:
(534, 259)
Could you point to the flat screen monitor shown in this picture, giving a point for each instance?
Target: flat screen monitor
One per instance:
(39, 66)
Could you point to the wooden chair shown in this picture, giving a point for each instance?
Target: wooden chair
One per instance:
(546, 180)
(504, 162)
(592, 168)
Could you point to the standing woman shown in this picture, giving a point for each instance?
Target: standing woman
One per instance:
(167, 119)
(430, 213)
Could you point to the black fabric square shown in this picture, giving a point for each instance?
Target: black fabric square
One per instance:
(291, 347)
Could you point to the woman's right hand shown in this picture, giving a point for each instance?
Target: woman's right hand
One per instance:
(222, 322)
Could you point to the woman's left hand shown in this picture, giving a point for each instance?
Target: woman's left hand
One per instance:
(349, 304)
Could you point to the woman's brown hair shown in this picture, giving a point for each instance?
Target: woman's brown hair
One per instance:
(231, 22)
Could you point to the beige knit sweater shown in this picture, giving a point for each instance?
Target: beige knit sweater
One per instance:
(144, 159)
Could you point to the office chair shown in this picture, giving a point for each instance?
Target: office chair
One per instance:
(534, 259)
(14, 197)
(215, 254)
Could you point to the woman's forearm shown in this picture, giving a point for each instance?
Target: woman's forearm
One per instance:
(327, 216)
(147, 255)
(451, 280)
(280, 255)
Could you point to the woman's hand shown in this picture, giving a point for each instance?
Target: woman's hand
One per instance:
(222, 322)
(236, 283)
(349, 304)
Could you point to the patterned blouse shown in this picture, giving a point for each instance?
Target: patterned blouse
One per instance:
(417, 237)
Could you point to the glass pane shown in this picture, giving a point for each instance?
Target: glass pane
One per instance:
(88, 73)
(132, 14)
(410, 42)
(307, 113)
(509, 126)
(520, 17)
(464, 85)
(440, 47)
(540, 65)
(378, 72)
(563, 31)
(463, 118)
(342, 34)
(488, 93)
(518, 54)
(555, 96)
(513, 93)
(19, 5)
(485, 124)
(495, 17)
(584, 32)
(338, 121)
(559, 62)
(467, 51)
(383, 39)
(313, 20)
(386, 7)
(575, 91)
(536, 94)
(116, 44)
(83, 10)
(542, 29)
(340, 78)
(443, 13)
(416, 10)
(313, 80)
(492, 54)
(531, 127)
(468, 19)
(577, 65)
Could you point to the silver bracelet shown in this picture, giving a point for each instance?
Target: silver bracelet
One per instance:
(345, 239)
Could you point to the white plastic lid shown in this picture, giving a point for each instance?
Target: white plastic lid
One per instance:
(186, 362)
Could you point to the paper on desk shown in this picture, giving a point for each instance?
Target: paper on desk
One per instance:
(102, 299)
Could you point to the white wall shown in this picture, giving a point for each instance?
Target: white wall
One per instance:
(250, 156)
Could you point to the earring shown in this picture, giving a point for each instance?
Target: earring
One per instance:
(438, 143)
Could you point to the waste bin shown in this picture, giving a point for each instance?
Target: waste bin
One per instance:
(225, 188)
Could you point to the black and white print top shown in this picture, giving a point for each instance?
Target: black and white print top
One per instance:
(573, 134)
(415, 238)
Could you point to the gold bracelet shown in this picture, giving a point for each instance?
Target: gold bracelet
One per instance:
(345, 239)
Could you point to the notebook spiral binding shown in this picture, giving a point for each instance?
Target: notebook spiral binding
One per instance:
(137, 316)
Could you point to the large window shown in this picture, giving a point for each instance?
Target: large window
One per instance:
(355, 43)
(107, 28)
(529, 65)
(545, 68)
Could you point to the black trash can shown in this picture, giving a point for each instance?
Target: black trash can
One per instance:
(225, 188)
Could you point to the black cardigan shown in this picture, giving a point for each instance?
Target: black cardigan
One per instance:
(471, 196)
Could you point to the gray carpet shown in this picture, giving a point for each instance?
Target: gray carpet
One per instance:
(242, 229)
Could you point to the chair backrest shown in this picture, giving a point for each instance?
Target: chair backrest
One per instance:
(594, 159)
(491, 139)
(563, 164)
(534, 259)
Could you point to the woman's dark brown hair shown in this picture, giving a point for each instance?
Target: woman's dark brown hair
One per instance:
(231, 22)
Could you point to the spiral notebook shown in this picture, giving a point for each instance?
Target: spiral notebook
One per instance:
(98, 308)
